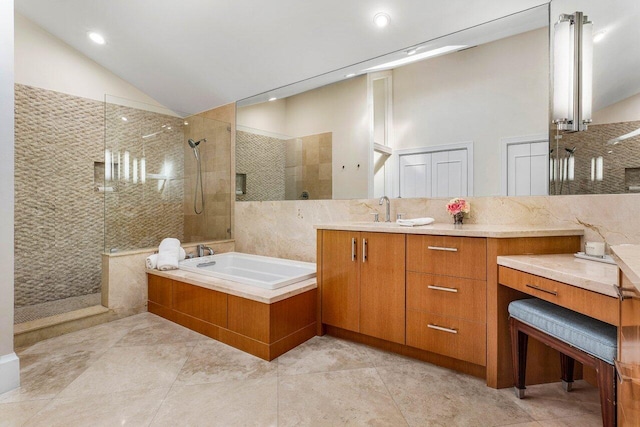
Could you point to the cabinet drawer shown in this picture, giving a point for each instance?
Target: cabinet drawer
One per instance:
(628, 391)
(447, 296)
(593, 304)
(449, 336)
(449, 256)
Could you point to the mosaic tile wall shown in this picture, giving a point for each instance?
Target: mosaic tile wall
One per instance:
(621, 161)
(262, 159)
(59, 214)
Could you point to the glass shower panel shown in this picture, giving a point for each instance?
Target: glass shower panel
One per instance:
(148, 178)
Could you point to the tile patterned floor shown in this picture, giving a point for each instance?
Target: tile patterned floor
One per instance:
(146, 371)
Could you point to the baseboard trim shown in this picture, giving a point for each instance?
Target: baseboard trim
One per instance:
(9, 372)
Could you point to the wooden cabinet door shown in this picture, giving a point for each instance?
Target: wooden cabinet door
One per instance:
(382, 287)
(341, 279)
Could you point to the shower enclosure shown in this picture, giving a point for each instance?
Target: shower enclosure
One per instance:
(94, 177)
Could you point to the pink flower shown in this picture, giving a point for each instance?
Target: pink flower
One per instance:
(457, 205)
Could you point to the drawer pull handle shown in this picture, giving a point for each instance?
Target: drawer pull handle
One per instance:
(443, 329)
(538, 288)
(353, 249)
(364, 250)
(621, 292)
(440, 288)
(440, 248)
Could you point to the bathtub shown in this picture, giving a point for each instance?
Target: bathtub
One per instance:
(254, 270)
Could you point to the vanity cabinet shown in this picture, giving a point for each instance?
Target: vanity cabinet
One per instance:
(363, 283)
(628, 363)
(446, 296)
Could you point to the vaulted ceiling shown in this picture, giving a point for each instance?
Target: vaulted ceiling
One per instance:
(192, 55)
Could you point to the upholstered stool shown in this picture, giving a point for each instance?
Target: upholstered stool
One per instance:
(577, 337)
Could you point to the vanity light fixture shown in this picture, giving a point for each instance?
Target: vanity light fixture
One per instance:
(572, 72)
(96, 38)
(414, 58)
(381, 19)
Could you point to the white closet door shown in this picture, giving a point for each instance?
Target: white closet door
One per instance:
(527, 169)
(449, 173)
(415, 175)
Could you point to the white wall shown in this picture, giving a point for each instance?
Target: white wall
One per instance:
(340, 108)
(495, 90)
(44, 61)
(9, 364)
(627, 110)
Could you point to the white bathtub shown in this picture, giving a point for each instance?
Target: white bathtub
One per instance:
(254, 270)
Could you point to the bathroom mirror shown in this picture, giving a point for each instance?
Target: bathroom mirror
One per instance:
(437, 127)
(604, 159)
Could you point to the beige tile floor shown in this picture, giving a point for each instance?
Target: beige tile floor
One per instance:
(147, 371)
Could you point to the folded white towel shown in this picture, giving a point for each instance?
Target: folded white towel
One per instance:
(169, 243)
(414, 222)
(168, 259)
(152, 260)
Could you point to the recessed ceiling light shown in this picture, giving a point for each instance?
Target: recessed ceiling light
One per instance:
(350, 75)
(411, 51)
(124, 119)
(381, 19)
(273, 98)
(597, 37)
(96, 38)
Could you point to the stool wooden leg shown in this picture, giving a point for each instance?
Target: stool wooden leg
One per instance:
(607, 386)
(567, 371)
(519, 341)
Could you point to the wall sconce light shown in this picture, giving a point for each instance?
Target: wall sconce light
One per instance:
(572, 72)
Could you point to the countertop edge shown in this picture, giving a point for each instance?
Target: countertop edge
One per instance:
(561, 276)
(621, 254)
(238, 289)
(467, 230)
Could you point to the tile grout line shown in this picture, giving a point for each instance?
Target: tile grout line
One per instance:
(172, 384)
(391, 395)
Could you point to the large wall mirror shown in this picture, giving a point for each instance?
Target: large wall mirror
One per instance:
(604, 159)
(470, 117)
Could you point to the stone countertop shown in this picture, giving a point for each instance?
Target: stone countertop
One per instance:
(466, 230)
(266, 296)
(628, 259)
(591, 275)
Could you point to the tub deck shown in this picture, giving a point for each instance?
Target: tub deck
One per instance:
(262, 322)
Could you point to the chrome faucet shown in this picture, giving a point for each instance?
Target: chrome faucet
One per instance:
(201, 249)
(387, 216)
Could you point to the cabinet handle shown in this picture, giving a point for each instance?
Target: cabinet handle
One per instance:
(538, 288)
(353, 249)
(440, 248)
(443, 329)
(441, 288)
(621, 292)
(364, 250)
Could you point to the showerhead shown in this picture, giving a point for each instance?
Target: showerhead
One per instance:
(194, 144)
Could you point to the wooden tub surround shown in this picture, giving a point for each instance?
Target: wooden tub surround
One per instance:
(428, 292)
(261, 322)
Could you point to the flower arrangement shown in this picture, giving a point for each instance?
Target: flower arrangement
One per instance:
(457, 208)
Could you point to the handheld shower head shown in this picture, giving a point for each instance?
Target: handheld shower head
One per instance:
(194, 144)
